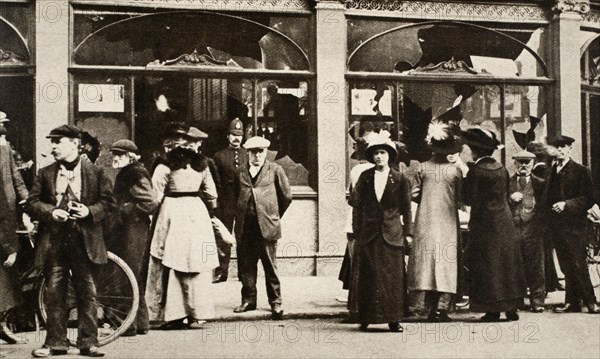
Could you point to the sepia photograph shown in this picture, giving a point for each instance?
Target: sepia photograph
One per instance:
(300, 178)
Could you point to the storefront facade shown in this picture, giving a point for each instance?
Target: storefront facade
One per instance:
(310, 75)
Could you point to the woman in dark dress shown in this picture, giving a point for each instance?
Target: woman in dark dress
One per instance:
(381, 219)
(495, 263)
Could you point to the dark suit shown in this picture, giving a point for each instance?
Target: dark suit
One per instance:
(570, 230)
(227, 162)
(261, 203)
(531, 232)
(71, 246)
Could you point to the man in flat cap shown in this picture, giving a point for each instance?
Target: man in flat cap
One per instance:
(525, 191)
(228, 161)
(136, 201)
(567, 195)
(263, 194)
(70, 198)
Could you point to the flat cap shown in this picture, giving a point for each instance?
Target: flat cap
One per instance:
(257, 142)
(65, 131)
(3, 117)
(195, 134)
(124, 146)
(561, 140)
(524, 155)
(236, 127)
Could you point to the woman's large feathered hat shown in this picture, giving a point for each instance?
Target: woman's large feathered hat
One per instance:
(441, 139)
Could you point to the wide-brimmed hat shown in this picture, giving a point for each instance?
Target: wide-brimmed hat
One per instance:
(176, 129)
(65, 131)
(441, 139)
(561, 140)
(196, 135)
(124, 146)
(381, 144)
(3, 117)
(479, 138)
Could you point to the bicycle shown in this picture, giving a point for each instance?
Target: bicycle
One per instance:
(117, 297)
(593, 256)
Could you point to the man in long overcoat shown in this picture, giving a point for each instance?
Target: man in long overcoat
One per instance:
(12, 191)
(263, 194)
(566, 198)
(136, 201)
(70, 198)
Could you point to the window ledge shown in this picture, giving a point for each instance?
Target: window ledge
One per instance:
(303, 192)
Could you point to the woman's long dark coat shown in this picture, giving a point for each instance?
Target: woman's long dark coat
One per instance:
(494, 257)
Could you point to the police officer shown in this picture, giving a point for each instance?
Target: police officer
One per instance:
(228, 162)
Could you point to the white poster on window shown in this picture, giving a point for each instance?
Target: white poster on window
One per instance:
(364, 103)
(101, 98)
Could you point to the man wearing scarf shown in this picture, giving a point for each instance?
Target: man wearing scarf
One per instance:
(70, 198)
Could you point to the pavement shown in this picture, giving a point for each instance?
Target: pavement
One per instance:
(303, 298)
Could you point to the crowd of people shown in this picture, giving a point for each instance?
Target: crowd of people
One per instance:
(514, 224)
(173, 227)
(167, 225)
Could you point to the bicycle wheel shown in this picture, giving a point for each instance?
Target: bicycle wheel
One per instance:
(593, 260)
(117, 297)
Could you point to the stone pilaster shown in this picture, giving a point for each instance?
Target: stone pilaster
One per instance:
(564, 27)
(52, 77)
(331, 110)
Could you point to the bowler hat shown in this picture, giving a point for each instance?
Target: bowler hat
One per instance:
(236, 127)
(65, 131)
(483, 139)
(3, 117)
(381, 144)
(195, 134)
(124, 146)
(524, 155)
(561, 140)
(257, 142)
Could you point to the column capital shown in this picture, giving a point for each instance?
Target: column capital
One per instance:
(320, 4)
(575, 7)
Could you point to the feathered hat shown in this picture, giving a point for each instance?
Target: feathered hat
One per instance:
(441, 140)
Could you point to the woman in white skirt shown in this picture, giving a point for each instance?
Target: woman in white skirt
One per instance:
(183, 251)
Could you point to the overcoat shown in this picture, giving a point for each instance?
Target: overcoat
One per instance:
(494, 255)
(578, 193)
(13, 190)
(136, 200)
(272, 196)
(433, 264)
(96, 194)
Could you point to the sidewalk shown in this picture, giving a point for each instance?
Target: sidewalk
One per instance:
(303, 297)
